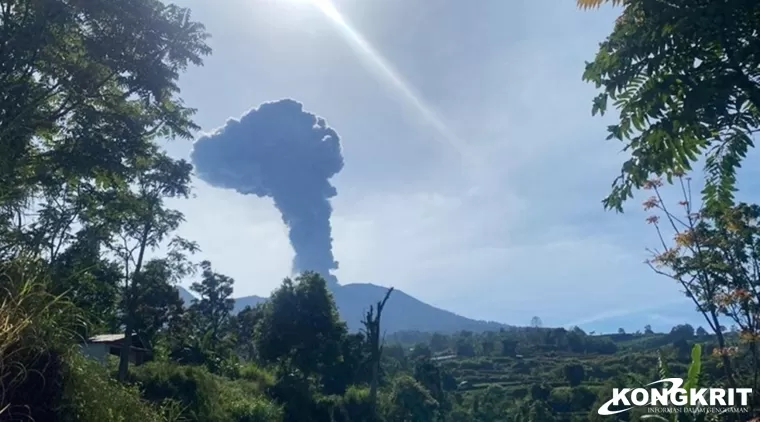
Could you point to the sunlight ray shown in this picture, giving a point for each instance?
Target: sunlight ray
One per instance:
(380, 64)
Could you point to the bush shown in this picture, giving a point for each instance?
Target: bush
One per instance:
(91, 395)
(205, 397)
(256, 374)
(560, 399)
(354, 406)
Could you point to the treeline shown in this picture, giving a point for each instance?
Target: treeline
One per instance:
(528, 340)
(507, 342)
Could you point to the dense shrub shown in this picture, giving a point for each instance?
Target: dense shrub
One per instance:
(91, 395)
(354, 406)
(204, 396)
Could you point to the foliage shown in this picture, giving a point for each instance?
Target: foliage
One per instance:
(45, 378)
(684, 79)
(157, 301)
(574, 373)
(410, 401)
(714, 256)
(691, 381)
(593, 4)
(34, 327)
(78, 122)
(87, 380)
(204, 333)
(243, 327)
(300, 327)
(205, 396)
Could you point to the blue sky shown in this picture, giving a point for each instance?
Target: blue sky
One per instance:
(477, 188)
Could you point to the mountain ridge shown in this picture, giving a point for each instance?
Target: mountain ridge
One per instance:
(403, 312)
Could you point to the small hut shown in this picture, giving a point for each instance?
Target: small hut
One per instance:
(101, 346)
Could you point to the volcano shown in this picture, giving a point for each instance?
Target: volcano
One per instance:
(402, 312)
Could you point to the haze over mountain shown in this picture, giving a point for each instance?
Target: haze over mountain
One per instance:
(402, 312)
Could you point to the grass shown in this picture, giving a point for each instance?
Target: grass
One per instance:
(32, 322)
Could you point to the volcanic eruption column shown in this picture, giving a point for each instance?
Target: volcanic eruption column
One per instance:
(281, 151)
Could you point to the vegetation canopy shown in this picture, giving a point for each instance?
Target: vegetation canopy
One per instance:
(684, 78)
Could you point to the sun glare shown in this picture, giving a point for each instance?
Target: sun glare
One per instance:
(392, 78)
(380, 65)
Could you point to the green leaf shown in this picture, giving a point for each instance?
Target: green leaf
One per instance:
(662, 365)
(695, 367)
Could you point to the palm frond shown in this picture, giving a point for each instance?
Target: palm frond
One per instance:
(595, 4)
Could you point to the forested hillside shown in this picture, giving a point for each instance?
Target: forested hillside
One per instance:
(89, 245)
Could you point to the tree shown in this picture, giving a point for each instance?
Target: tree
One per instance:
(211, 313)
(491, 406)
(411, 402)
(682, 331)
(300, 326)
(77, 105)
(244, 326)
(488, 346)
(464, 347)
(508, 346)
(90, 282)
(371, 324)
(439, 342)
(539, 392)
(701, 332)
(421, 351)
(540, 412)
(648, 329)
(582, 398)
(574, 373)
(353, 368)
(138, 222)
(713, 259)
(621, 331)
(684, 79)
(157, 301)
(88, 88)
(431, 377)
(535, 322)
(215, 304)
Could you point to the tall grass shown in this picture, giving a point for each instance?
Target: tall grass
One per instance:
(34, 327)
(43, 374)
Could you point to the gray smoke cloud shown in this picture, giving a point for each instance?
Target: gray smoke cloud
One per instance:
(285, 153)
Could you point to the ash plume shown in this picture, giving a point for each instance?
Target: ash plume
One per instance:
(282, 152)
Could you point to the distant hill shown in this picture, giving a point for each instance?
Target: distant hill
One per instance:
(185, 295)
(402, 312)
(240, 303)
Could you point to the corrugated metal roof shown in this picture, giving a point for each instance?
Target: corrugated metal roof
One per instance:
(106, 338)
